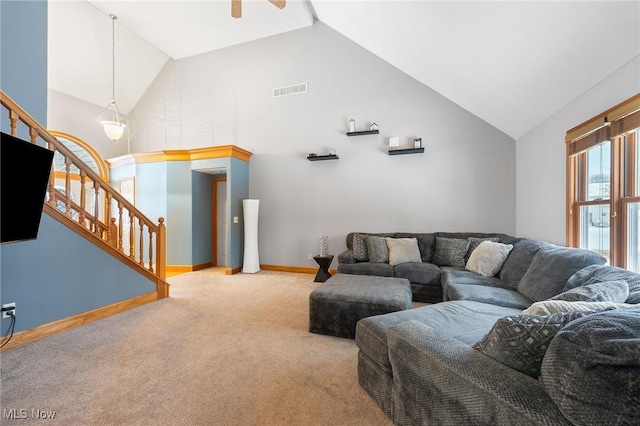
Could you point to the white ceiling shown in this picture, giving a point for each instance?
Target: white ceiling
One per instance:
(511, 63)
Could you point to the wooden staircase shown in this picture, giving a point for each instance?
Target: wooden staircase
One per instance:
(104, 216)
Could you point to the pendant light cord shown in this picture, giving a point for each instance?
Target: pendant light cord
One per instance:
(113, 56)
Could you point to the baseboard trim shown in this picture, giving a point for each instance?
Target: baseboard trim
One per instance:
(31, 335)
(297, 269)
(231, 271)
(183, 269)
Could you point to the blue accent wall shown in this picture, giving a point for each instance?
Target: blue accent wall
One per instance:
(180, 191)
(179, 226)
(151, 190)
(23, 56)
(238, 182)
(61, 274)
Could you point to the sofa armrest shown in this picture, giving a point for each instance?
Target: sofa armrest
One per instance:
(439, 380)
(346, 257)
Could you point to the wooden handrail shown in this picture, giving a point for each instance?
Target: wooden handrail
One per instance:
(103, 211)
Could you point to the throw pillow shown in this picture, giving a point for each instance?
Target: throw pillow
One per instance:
(521, 341)
(377, 249)
(474, 242)
(547, 307)
(450, 251)
(360, 247)
(403, 250)
(592, 367)
(488, 257)
(595, 290)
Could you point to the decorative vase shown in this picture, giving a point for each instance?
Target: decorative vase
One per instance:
(324, 246)
(251, 262)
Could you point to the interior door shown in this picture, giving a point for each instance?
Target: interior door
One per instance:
(220, 222)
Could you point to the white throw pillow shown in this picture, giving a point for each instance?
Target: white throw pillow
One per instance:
(403, 250)
(547, 307)
(488, 257)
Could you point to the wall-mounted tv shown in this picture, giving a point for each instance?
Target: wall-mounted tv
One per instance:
(24, 174)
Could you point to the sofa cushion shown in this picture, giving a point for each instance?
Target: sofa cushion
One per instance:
(464, 320)
(474, 242)
(450, 252)
(350, 235)
(360, 247)
(595, 290)
(546, 307)
(377, 249)
(492, 295)
(518, 261)
(521, 341)
(366, 268)
(550, 269)
(592, 367)
(607, 273)
(403, 250)
(426, 243)
(419, 273)
(488, 257)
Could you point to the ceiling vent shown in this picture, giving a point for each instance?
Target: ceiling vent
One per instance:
(295, 89)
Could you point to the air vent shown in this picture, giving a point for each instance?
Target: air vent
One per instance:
(295, 89)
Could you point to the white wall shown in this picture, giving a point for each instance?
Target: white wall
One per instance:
(465, 180)
(72, 115)
(541, 156)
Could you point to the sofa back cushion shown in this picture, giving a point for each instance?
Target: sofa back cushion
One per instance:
(426, 243)
(518, 261)
(607, 273)
(450, 252)
(550, 269)
(591, 368)
(350, 235)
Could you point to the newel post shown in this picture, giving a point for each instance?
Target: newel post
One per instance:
(161, 259)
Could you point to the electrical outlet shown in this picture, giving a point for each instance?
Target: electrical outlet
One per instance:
(5, 313)
(310, 256)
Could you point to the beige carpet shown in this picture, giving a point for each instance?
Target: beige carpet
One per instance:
(222, 350)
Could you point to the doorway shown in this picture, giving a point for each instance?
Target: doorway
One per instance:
(219, 222)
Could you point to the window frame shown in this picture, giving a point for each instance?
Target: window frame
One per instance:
(618, 125)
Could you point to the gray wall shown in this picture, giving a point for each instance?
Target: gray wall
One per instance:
(541, 156)
(465, 180)
(72, 115)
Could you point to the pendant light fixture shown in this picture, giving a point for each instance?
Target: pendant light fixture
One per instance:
(109, 119)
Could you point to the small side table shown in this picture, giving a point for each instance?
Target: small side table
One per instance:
(323, 272)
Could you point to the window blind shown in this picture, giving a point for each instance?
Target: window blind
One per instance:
(616, 121)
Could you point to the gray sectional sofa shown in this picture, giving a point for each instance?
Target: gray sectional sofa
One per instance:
(454, 362)
(434, 280)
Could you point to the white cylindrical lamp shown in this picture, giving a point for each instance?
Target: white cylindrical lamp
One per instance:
(251, 263)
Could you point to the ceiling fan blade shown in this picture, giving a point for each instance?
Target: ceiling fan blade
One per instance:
(278, 3)
(236, 8)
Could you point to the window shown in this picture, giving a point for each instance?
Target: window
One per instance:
(603, 185)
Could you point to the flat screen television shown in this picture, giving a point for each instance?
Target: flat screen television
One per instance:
(24, 175)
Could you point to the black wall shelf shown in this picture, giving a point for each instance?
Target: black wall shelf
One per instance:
(323, 157)
(406, 151)
(364, 132)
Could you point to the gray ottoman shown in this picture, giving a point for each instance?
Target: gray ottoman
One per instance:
(340, 302)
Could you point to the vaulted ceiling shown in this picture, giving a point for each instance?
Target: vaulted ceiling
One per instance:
(511, 63)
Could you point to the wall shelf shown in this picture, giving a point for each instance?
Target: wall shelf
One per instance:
(323, 157)
(363, 132)
(406, 151)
